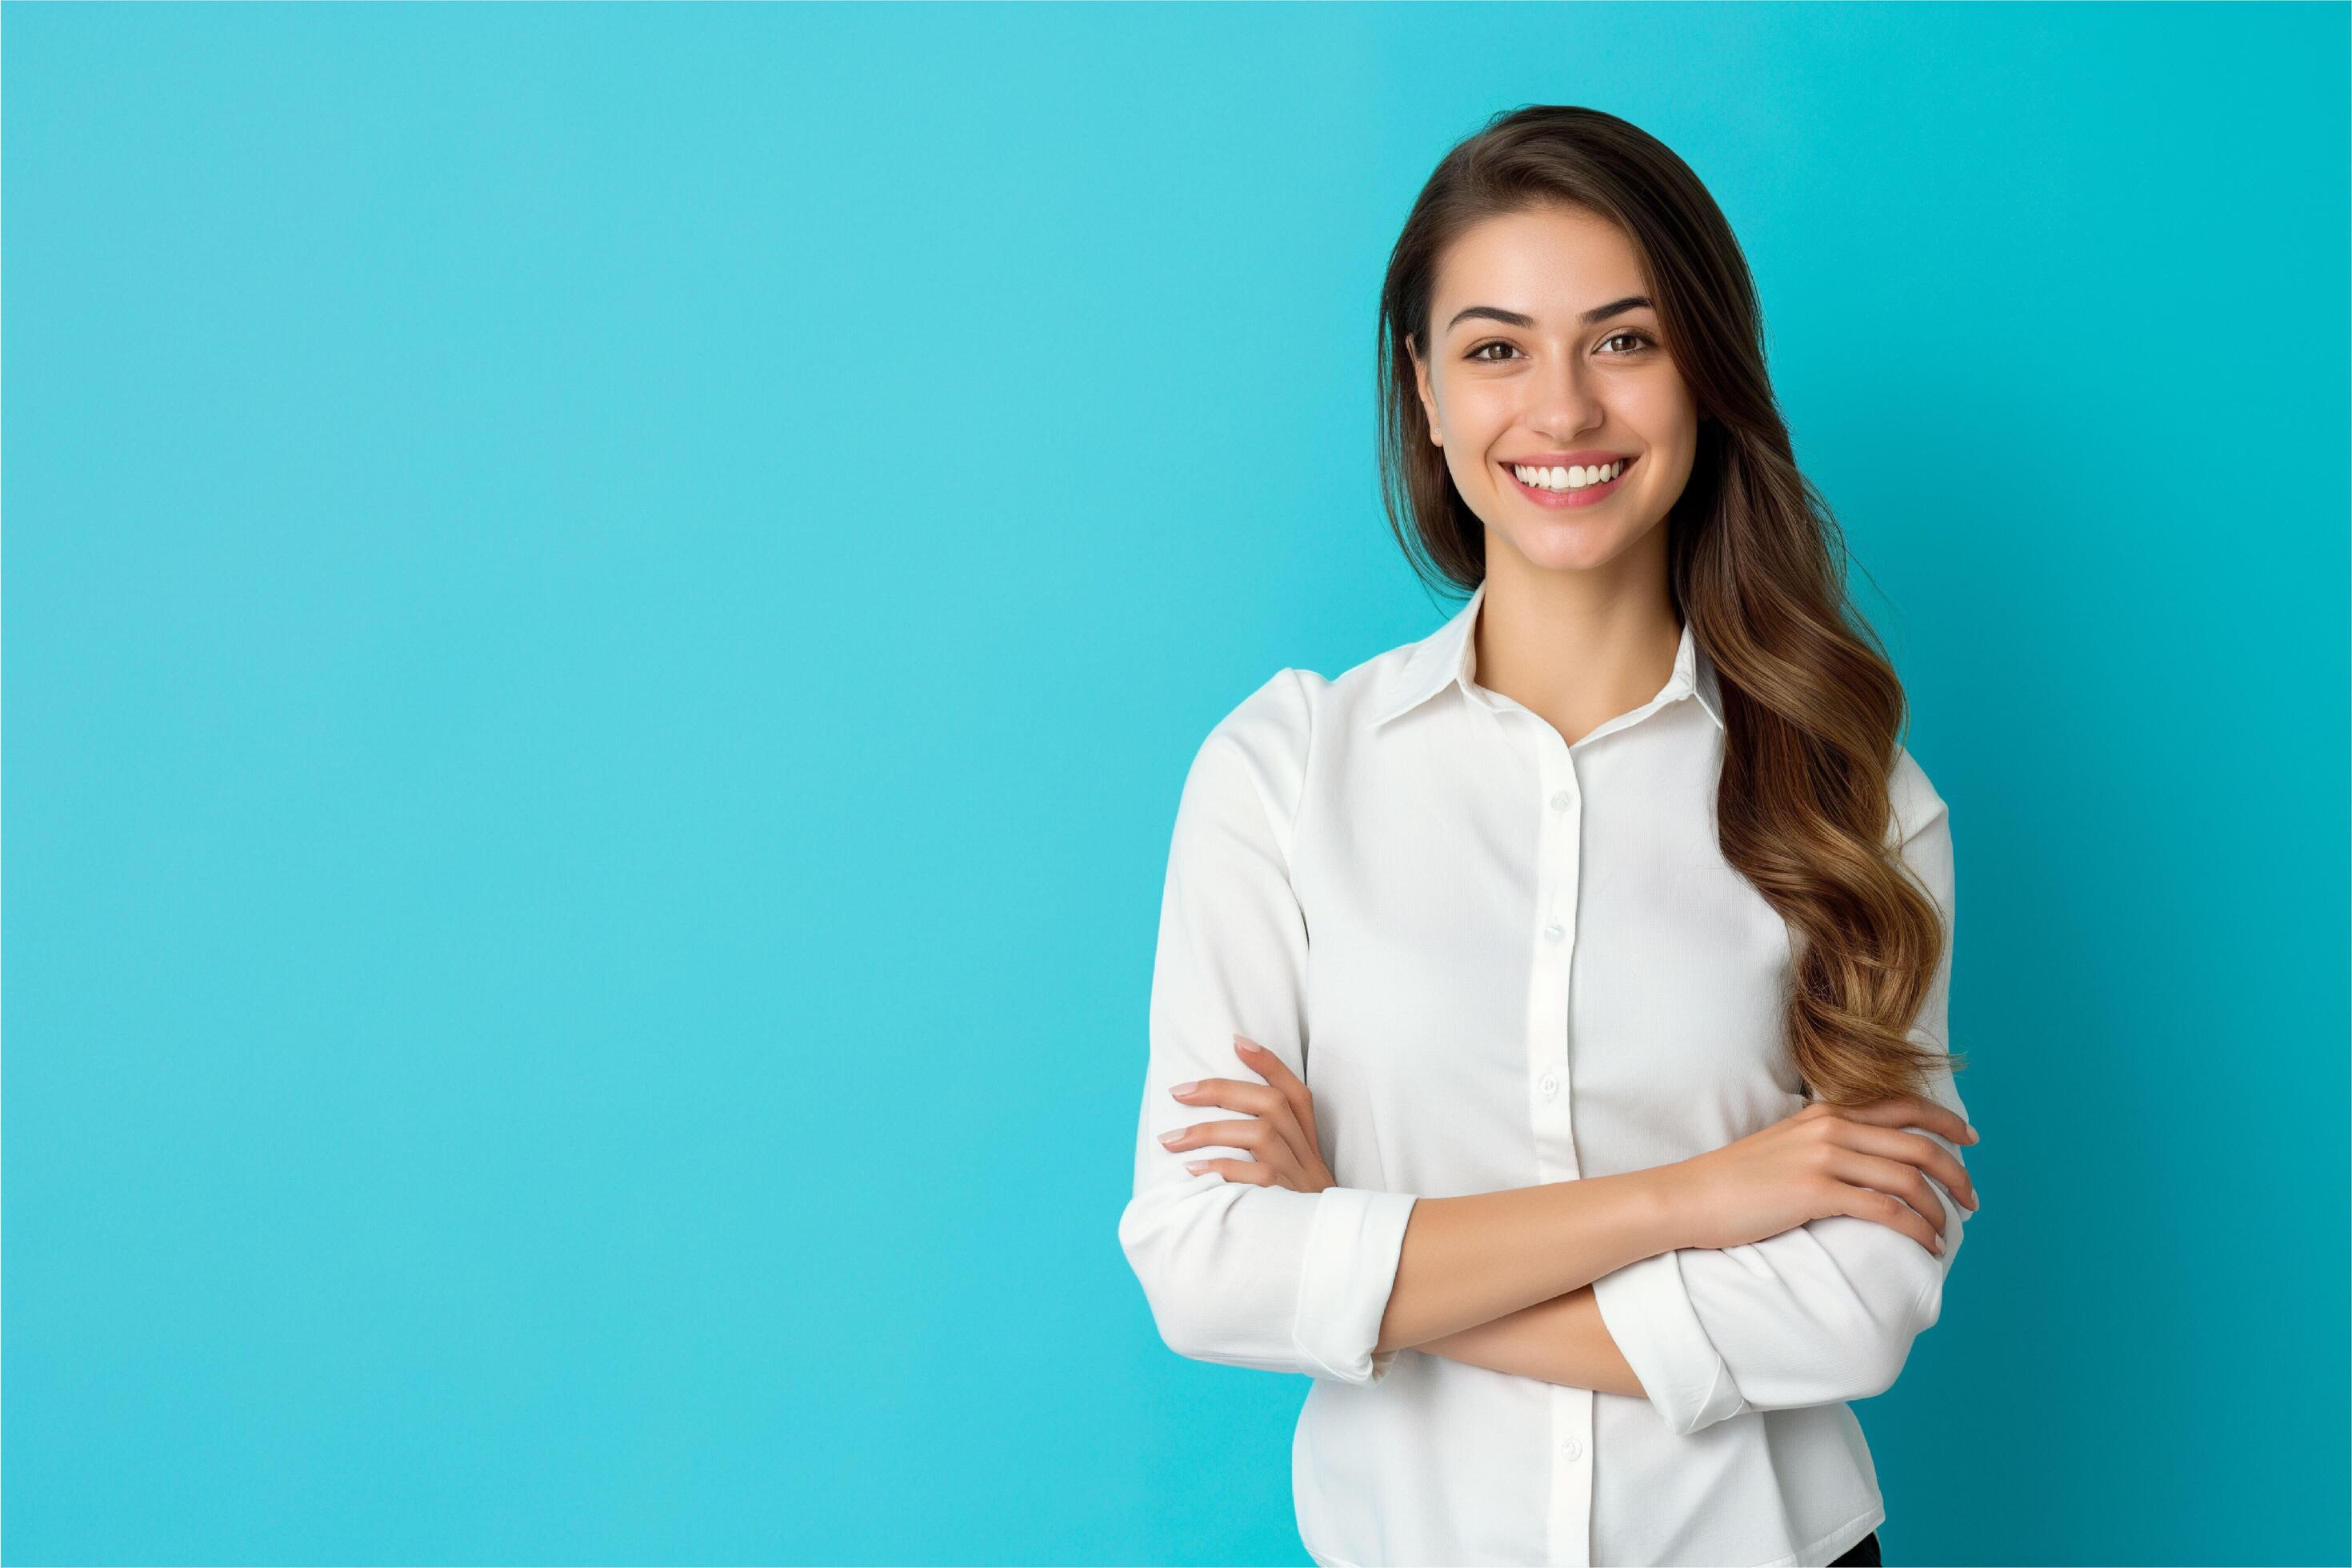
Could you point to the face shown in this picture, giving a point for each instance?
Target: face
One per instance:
(1536, 358)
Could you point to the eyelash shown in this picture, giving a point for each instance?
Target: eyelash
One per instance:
(1499, 343)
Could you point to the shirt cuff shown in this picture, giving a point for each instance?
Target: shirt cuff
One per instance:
(1344, 1282)
(1648, 1311)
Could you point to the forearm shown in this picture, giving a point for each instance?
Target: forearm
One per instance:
(1468, 1260)
(1560, 1340)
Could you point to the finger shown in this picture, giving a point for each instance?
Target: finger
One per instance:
(1257, 1137)
(1925, 1152)
(1841, 1125)
(1249, 1172)
(1252, 1135)
(1298, 1124)
(1892, 1178)
(1278, 1073)
(1261, 1100)
(1233, 1093)
(1913, 1110)
(1887, 1209)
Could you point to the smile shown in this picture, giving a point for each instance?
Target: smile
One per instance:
(1572, 486)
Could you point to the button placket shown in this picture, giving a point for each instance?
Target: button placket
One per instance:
(1562, 828)
(1558, 838)
(1570, 1513)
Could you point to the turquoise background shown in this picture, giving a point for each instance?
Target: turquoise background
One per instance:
(605, 608)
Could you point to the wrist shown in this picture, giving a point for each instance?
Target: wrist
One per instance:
(1666, 1212)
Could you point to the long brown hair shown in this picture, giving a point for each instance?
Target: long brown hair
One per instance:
(1813, 710)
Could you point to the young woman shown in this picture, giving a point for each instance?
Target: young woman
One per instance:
(1562, 997)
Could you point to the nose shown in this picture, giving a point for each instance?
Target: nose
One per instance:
(1563, 402)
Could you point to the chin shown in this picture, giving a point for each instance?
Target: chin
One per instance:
(1577, 545)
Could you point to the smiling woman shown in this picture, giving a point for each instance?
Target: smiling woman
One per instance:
(1600, 1145)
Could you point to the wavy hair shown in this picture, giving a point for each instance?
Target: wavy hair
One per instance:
(1813, 710)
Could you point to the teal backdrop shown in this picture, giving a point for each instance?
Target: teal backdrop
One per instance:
(605, 607)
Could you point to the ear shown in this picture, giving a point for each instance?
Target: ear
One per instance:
(1428, 394)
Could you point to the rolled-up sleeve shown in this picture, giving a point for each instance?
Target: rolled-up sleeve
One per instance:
(1244, 1275)
(1821, 1313)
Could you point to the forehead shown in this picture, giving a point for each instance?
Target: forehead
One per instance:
(1550, 263)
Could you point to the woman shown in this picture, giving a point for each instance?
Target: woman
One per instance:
(1493, 974)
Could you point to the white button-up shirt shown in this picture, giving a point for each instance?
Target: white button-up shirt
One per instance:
(1497, 959)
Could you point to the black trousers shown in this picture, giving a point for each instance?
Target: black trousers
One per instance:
(1863, 1553)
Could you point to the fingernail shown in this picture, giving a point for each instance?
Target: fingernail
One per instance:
(1196, 1166)
(1250, 1046)
(1172, 1139)
(1186, 1088)
(1972, 1132)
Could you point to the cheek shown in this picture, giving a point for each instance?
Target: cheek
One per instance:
(1669, 457)
(1664, 416)
(1476, 417)
(1468, 467)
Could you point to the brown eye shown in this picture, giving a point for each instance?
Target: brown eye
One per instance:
(1638, 337)
(1478, 352)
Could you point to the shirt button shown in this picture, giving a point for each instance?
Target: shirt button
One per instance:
(1554, 932)
(1550, 1086)
(1561, 800)
(1572, 1449)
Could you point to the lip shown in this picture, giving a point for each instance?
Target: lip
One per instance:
(1584, 456)
(1592, 494)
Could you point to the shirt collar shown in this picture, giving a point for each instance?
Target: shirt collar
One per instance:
(1449, 657)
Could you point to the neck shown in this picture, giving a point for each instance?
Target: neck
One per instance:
(1576, 648)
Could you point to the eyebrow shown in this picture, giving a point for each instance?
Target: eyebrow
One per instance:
(1512, 318)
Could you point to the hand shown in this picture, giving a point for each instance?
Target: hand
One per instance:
(1825, 1160)
(1281, 1136)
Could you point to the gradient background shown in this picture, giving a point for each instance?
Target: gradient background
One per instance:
(605, 609)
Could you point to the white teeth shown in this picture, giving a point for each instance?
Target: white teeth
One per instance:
(1573, 477)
